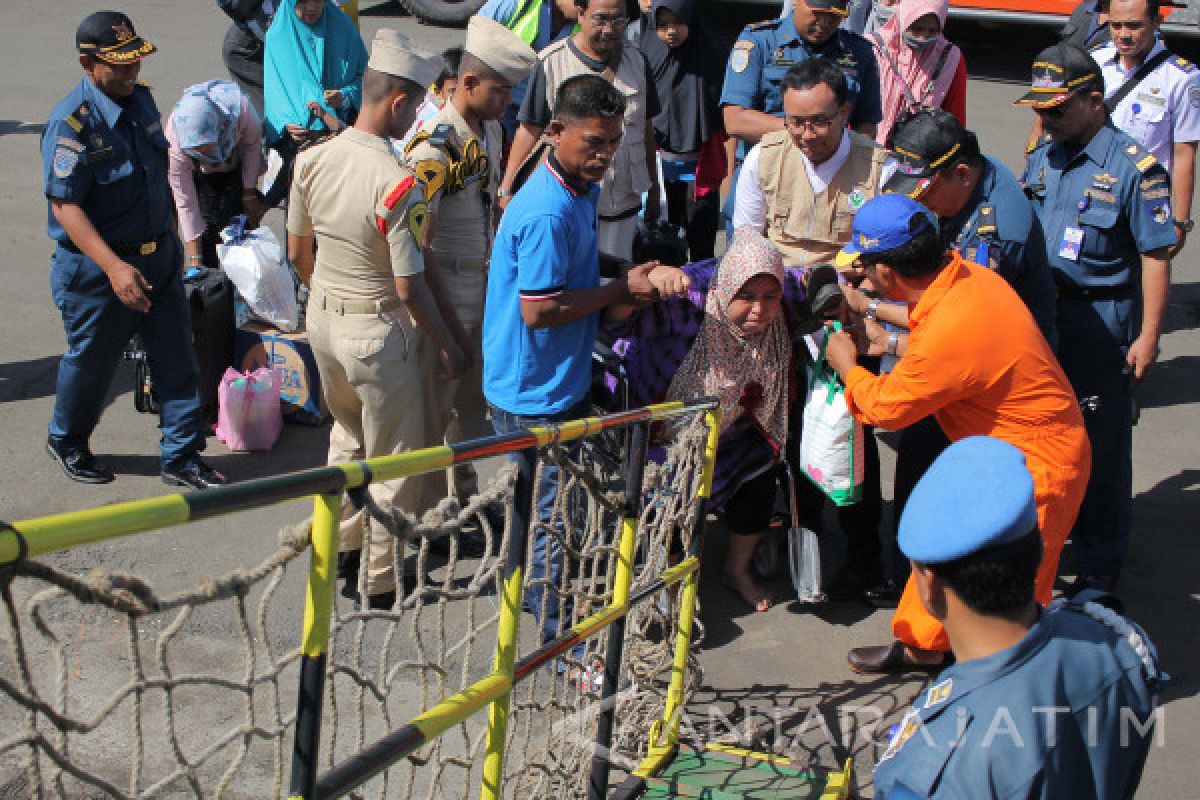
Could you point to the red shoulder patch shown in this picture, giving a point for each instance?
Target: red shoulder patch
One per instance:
(397, 194)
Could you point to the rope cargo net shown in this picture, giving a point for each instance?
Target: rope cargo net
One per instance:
(111, 688)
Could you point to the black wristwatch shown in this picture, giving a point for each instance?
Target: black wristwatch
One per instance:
(1185, 225)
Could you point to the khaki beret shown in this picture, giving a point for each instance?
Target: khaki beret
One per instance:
(499, 48)
(394, 54)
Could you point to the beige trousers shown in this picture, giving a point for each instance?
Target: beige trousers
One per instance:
(615, 237)
(455, 410)
(371, 381)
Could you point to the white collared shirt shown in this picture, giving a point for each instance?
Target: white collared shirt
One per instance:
(750, 206)
(1161, 110)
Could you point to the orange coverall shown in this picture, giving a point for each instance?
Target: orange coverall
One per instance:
(977, 361)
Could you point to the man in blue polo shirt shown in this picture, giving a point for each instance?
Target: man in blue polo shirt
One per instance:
(544, 296)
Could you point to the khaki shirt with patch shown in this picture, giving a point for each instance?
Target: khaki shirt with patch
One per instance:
(460, 196)
(367, 211)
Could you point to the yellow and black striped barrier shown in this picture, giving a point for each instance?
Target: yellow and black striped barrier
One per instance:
(54, 533)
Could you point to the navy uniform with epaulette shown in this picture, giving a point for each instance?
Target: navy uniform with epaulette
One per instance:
(109, 157)
(1102, 206)
(998, 229)
(1043, 704)
(1068, 712)
(765, 51)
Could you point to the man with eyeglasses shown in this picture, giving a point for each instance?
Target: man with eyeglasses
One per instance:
(1154, 96)
(752, 95)
(599, 48)
(1105, 206)
(801, 186)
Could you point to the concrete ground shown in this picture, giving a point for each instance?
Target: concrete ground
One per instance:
(779, 675)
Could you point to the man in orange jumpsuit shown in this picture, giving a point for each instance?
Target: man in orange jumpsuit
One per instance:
(975, 359)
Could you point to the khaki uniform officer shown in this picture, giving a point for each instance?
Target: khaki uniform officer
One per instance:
(456, 156)
(801, 187)
(370, 306)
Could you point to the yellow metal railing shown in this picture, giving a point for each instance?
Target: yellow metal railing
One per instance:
(44, 535)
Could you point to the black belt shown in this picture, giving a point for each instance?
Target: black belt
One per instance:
(125, 249)
(1071, 291)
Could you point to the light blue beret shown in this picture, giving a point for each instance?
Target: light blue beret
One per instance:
(976, 494)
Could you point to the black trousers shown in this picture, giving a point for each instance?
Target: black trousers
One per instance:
(859, 522)
(750, 508)
(920, 444)
(699, 217)
(287, 148)
(242, 53)
(220, 196)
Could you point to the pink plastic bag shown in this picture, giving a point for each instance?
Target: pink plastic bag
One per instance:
(249, 416)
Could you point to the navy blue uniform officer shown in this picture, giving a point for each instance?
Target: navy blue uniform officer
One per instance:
(752, 94)
(116, 270)
(1058, 702)
(1105, 208)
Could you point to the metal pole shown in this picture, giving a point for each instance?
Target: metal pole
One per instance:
(513, 593)
(622, 580)
(322, 579)
(664, 734)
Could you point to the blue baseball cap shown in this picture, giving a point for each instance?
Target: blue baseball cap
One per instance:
(978, 493)
(886, 221)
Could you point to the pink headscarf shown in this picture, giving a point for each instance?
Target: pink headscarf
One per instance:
(746, 373)
(916, 68)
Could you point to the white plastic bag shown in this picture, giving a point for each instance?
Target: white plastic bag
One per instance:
(804, 552)
(831, 445)
(254, 261)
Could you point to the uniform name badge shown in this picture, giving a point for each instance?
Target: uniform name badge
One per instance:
(1071, 244)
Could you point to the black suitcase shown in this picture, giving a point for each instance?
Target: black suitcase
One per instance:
(209, 295)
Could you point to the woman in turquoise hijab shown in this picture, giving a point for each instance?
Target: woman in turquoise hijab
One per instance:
(313, 67)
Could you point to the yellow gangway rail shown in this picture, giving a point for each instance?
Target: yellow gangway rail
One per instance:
(45, 535)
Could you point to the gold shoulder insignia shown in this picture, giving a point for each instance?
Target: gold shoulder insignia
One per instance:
(418, 137)
(1142, 159)
(987, 219)
(418, 222)
(939, 694)
(432, 175)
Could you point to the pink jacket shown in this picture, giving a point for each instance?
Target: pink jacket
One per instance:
(181, 169)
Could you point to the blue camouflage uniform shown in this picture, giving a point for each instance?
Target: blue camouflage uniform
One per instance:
(1067, 712)
(1114, 197)
(110, 158)
(998, 229)
(766, 50)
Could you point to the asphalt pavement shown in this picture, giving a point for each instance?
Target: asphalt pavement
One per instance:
(781, 675)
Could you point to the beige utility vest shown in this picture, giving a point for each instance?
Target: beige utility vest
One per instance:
(629, 177)
(809, 228)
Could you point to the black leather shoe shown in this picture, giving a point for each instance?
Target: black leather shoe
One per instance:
(865, 586)
(79, 464)
(377, 602)
(883, 595)
(194, 474)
